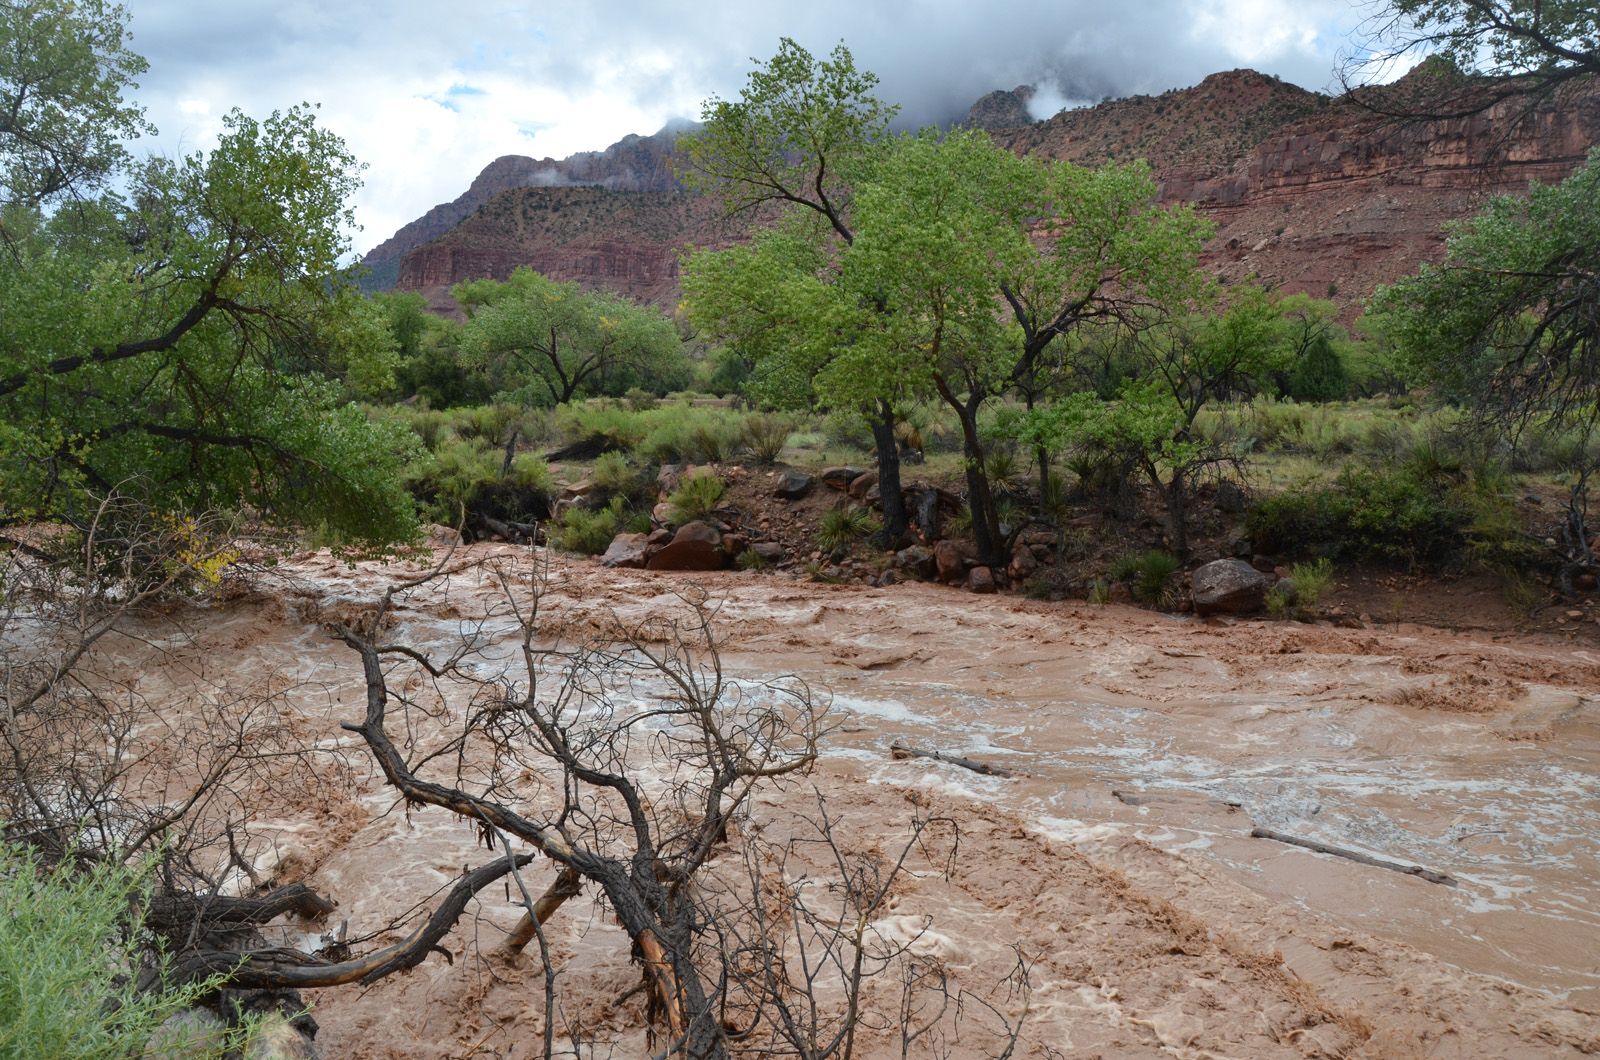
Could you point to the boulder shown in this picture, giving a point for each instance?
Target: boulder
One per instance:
(1228, 586)
(793, 485)
(1022, 563)
(627, 550)
(862, 483)
(980, 580)
(917, 561)
(839, 478)
(770, 551)
(661, 514)
(660, 536)
(696, 546)
(1230, 498)
(947, 557)
(443, 536)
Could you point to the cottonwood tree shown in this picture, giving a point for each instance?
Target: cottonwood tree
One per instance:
(185, 338)
(793, 141)
(545, 343)
(1175, 368)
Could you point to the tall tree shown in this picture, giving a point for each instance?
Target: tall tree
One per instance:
(793, 139)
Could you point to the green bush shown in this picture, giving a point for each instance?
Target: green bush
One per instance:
(1151, 573)
(1384, 513)
(842, 526)
(765, 434)
(696, 497)
(463, 477)
(590, 533)
(67, 965)
(1311, 580)
(1320, 374)
(612, 474)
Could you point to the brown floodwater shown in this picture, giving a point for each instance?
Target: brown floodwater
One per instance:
(1144, 748)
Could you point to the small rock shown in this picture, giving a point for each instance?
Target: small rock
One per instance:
(1574, 614)
(770, 551)
(1230, 498)
(793, 485)
(1228, 586)
(1262, 564)
(1022, 564)
(980, 580)
(1585, 582)
(668, 478)
(839, 478)
(661, 514)
(862, 483)
(733, 544)
(917, 561)
(660, 536)
(888, 577)
(948, 560)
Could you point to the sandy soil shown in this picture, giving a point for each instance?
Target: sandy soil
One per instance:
(1118, 857)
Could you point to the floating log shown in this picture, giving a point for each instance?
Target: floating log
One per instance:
(900, 751)
(1356, 856)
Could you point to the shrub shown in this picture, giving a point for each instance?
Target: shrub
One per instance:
(750, 559)
(600, 426)
(612, 474)
(590, 533)
(1152, 574)
(1320, 374)
(765, 434)
(1311, 580)
(696, 497)
(842, 526)
(1387, 513)
(67, 967)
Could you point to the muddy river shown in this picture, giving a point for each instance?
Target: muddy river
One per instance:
(1143, 749)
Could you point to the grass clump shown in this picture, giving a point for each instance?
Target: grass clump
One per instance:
(841, 527)
(696, 497)
(765, 434)
(1151, 575)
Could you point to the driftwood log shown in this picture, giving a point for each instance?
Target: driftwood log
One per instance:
(900, 751)
(1355, 855)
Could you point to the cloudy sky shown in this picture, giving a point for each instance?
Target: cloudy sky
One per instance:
(427, 93)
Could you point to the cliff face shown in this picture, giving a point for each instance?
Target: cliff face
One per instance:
(1309, 193)
(625, 241)
(634, 164)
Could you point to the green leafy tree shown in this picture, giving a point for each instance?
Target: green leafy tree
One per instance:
(63, 71)
(187, 342)
(545, 343)
(792, 142)
(1181, 365)
(1510, 320)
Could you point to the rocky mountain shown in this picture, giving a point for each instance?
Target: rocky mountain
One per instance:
(632, 164)
(1310, 193)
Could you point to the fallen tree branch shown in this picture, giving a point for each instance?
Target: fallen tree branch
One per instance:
(279, 968)
(564, 886)
(902, 752)
(1356, 856)
(180, 909)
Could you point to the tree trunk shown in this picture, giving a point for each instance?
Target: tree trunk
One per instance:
(1177, 516)
(893, 501)
(985, 520)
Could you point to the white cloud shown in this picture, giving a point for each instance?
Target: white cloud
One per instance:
(427, 96)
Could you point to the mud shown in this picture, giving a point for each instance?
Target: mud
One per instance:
(1118, 857)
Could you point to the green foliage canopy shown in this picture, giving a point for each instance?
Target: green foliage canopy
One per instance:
(186, 343)
(544, 343)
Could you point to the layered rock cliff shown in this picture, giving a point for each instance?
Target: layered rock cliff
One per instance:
(632, 164)
(1308, 192)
